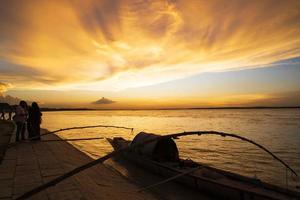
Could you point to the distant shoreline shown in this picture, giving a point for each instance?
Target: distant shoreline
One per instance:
(200, 108)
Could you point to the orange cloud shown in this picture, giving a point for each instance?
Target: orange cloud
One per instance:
(113, 44)
(3, 87)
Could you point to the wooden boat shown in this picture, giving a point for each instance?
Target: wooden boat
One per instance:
(161, 157)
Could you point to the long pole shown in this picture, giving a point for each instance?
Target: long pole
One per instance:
(84, 127)
(169, 179)
(74, 139)
(72, 128)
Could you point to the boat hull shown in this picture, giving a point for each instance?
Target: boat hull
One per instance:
(218, 183)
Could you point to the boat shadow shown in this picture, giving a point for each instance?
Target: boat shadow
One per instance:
(143, 178)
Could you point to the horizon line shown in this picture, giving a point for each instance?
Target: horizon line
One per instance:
(192, 108)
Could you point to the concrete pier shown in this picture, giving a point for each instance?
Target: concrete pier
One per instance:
(27, 165)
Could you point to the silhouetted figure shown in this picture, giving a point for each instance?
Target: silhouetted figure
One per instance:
(2, 115)
(10, 114)
(4, 108)
(35, 119)
(25, 107)
(20, 118)
(30, 134)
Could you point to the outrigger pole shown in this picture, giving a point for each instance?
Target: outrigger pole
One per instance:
(73, 139)
(83, 127)
(125, 149)
(73, 128)
(169, 179)
(234, 136)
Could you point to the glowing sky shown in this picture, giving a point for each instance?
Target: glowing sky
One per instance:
(122, 48)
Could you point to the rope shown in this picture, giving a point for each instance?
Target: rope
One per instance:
(125, 149)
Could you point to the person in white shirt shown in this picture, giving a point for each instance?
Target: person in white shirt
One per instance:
(19, 119)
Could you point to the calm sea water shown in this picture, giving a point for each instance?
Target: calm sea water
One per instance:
(276, 129)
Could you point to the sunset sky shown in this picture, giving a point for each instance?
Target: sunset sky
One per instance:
(151, 54)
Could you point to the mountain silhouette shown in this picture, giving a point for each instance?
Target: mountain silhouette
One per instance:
(103, 101)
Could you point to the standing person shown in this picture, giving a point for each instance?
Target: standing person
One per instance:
(30, 134)
(19, 118)
(10, 112)
(25, 107)
(4, 108)
(2, 115)
(35, 117)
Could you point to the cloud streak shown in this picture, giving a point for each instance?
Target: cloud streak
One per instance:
(116, 44)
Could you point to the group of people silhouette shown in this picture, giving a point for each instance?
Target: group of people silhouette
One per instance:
(27, 118)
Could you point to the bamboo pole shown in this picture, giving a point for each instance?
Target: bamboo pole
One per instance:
(169, 179)
(71, 128)
(84, 127)
(70, 140)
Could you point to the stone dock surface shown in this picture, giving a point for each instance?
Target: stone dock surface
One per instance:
(27, 165)
(6, 131)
